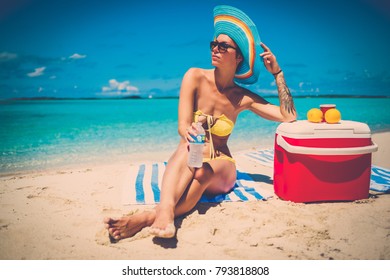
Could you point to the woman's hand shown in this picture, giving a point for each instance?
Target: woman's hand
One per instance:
(191, 131)
(269, 60)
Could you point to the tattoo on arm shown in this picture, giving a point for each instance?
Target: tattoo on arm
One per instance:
(286, 101)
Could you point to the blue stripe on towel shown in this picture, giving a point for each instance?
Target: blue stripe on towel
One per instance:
(380, 179)
(258, 157)
(254, 193)
(240, 194)
(139, 186)
(222, 197)
(382, 172)
(243, 176)
(250, 191)
(264, 157)
(214, 199)
(154, 183)
(267, 155)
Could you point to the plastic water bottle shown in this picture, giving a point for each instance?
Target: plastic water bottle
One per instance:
(195, 155)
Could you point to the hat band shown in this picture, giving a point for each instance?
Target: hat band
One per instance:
(249, 36)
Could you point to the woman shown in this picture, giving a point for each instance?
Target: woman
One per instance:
(213, 98)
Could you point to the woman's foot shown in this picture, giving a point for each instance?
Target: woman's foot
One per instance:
(168, 232)
(163, 225)
(128, 226)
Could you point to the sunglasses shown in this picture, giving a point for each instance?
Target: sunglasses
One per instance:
(222, 46)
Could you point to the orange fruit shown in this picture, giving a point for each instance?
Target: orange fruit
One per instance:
(332, 116)
(314, 115)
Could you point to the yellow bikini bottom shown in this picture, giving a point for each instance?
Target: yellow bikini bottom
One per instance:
(224, 157)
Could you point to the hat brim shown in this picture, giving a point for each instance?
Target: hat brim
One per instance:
(240, 28)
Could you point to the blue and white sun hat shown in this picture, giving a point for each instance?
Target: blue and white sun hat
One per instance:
(241, 29)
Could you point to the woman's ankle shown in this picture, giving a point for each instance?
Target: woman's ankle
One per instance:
(150, 217)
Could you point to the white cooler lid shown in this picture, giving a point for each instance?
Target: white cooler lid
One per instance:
(306, 129)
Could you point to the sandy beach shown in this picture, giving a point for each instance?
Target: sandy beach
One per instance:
(58, 214)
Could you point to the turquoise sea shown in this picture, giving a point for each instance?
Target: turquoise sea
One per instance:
(42, 134)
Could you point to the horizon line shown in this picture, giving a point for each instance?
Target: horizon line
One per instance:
(177, 97)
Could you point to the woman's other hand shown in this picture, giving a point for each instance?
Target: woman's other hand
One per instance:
(269, 60)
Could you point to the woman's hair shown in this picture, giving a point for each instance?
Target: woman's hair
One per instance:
(239, 53)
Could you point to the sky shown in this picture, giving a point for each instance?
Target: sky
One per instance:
(84, 48)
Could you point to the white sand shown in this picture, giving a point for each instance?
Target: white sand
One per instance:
(58, 215)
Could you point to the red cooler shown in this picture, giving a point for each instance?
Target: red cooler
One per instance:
(322, 162)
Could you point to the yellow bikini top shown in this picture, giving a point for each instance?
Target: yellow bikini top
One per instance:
(221, 126)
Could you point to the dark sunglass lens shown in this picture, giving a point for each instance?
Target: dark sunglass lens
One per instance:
(213, 45)
(223, 46)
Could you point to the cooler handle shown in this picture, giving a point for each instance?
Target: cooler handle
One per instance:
(325, 151)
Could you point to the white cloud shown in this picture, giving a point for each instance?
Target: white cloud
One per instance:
(77, 56)
(304, 85)
(116, 88)
(37, 72)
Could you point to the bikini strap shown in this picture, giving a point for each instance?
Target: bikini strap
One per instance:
(210, 121)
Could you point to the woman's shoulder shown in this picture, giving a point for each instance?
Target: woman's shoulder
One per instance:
(197, 75)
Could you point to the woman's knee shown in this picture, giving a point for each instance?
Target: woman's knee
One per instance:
(203, 174)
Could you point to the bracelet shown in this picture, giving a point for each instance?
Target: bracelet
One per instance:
(280, 71)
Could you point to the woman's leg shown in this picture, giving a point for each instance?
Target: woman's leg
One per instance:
(176, 178)
(215, 177)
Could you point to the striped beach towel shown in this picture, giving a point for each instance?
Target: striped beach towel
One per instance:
(143, 182)
(263, 156)
(142, 185)
(380, 177)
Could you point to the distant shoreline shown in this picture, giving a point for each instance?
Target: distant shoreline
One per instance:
(48, 98)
